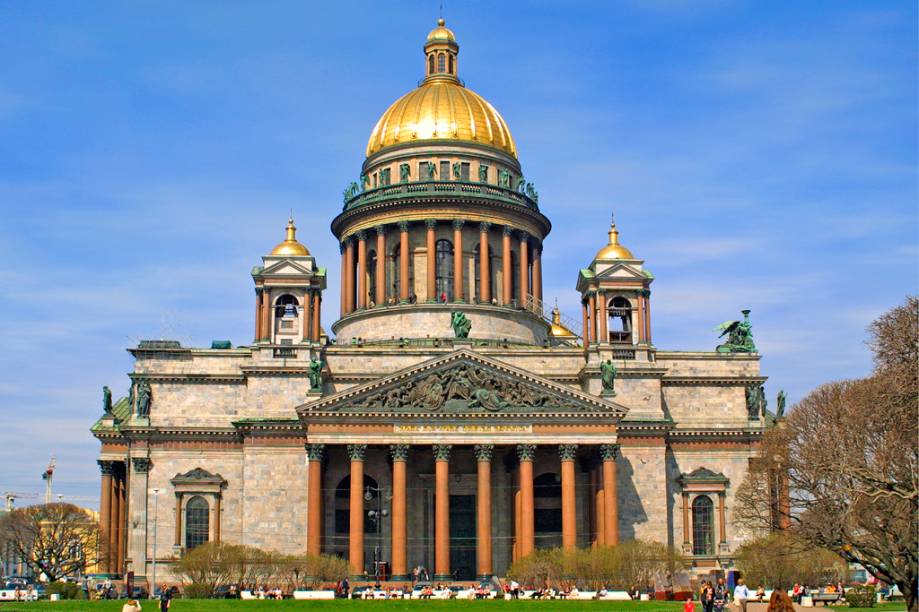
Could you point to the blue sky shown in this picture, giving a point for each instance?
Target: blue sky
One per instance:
(757, 154)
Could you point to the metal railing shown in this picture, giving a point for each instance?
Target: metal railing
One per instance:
(539, 308)
(460, 189)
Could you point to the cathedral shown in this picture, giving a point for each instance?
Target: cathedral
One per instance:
(449, 418)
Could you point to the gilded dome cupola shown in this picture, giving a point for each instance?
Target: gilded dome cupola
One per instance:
(614, 250)
(291, 246)
(441, 108)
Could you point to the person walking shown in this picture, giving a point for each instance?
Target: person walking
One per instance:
(707, 597)
(165, 598)
(741, 595)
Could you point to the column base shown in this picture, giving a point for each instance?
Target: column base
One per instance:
(399, 578)
(443, 577)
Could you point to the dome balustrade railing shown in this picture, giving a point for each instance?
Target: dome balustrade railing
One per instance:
(459, 189)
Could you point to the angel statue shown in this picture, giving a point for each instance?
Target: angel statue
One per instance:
(780, 404)
(106, 400)
(461, 325)
(740, 336)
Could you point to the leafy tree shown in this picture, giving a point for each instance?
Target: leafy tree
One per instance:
(841, 472)
(779, 561)
(57, 540)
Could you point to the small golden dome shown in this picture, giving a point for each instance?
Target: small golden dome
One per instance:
(441, 108)
(558, 330)
(614, 250)
(441, 33)
(290, 247)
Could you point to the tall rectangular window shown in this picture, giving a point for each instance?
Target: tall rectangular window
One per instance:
(444, 170)
(464, 171)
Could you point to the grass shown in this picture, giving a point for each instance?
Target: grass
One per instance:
(212, 605)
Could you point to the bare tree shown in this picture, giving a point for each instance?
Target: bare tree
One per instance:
(842, 470)
(58, 540)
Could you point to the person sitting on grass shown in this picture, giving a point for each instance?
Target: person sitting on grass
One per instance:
(132, 605)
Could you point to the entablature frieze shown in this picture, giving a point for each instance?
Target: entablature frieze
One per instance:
(188, 378)
(713, 381)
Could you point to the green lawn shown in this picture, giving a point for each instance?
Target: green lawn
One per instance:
(204, 605)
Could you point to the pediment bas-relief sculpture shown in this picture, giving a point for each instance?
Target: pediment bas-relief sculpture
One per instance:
(465, 388)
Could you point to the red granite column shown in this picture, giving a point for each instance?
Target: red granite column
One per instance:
(380, 293)
(404, 255)
(431, 268)
(458, 276)
(266, 314)
(567, 453)
(343, 302)
(442, 512)
(603, 316)
(524, 269)
(317, 315)
(361, 270)
(525, 453)
(610, 499)
(506, 267)
(585, 323)
(483, 456)
(315, 453)
(105, 508)
(349, 275)
(537, 272)
(484, 264)
(592, 305)
(356, 452)
(399, 454)
(258, 314)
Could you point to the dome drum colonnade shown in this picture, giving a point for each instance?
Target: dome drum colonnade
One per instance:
(602, 501)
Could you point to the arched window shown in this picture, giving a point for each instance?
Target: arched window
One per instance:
(443, 270)
(703, 526)
(451, 63)
(197, 522)
(515, 277)
(441, 63)
(547, 514)
(372, 275)
(619, 310)
(431, 64)
(286, 307)
(396, 272)
(477, 265)
(343, 505)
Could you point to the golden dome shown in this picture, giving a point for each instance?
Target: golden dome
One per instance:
(290, 247)
(441, 108)
(614, 250)
(441, 33)
(558, 330)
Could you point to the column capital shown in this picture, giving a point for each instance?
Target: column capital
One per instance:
(361, 235)
(341, 247)
(645, 293)
(442, 452)
(357, 452)
(403, 226)
(458, 224)
(430, 223)
(609, 452)
(524, 236)
(380, 229)
(507, 230)
(484, 226)
(484, 452)
(141, 464)
(106, 468)
(567, 452)
(526, 452)
(315, 452)
(399, 452)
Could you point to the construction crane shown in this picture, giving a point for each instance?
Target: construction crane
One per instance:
(48, 476)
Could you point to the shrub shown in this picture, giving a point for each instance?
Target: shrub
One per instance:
(779, 561)
(67, 590)
(861, 596)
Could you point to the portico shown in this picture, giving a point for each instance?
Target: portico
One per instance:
(460, 429)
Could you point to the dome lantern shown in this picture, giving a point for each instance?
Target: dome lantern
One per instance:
(291, 247)
(441, 51)
(614, 250)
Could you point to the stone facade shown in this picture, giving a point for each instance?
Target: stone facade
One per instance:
(251, 434)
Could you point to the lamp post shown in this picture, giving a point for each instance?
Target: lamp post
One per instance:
(376, 515)
(156, 497)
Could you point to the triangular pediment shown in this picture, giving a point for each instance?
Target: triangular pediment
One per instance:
(463, 383)
(286, 267)
(621, 270)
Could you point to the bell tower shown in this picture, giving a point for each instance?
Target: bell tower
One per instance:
(616, 303)
(288, 295)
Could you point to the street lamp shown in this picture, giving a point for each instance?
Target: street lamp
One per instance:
(156, 497)
(376, 515)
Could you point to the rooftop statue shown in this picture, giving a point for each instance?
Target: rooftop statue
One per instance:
(405, 172)
(107, 400)
(780, 404)
(316, 366)
(352, 190)
(740, 336)
(461, 325)
(504, 178)
(483, 173)
(430, 169)
(457, 171)
(756, 402)
(144, 395)
(608, 377)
